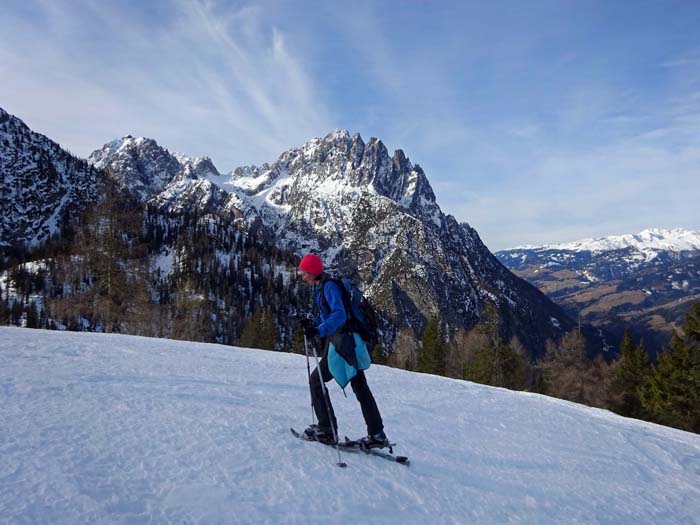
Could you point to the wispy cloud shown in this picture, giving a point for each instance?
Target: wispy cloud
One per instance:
(194, 77)
(544, 123)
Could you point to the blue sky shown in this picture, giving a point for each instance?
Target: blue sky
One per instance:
(536, 122)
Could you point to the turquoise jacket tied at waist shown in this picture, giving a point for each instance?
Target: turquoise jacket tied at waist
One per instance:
(347, 352)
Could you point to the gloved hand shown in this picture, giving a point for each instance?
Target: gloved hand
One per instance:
(310, 332)
(306, 322)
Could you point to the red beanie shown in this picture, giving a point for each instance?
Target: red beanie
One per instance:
(311, 264)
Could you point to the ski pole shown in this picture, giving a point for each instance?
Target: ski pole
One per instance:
(328, 408)
(308, 373)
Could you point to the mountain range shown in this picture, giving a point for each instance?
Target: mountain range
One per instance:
(644, 281)
(367, 213)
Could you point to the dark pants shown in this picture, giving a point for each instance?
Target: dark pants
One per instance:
(362, 392)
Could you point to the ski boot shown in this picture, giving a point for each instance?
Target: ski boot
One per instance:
(378, 440)
(314, 433)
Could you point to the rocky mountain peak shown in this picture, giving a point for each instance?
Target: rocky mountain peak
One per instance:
(400, 161)
(13, 125)
(43, 185)
(137, 164)
(339, 164)
(197, 167)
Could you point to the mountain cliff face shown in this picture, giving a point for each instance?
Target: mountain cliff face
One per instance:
(172, 181)
(645, 281)
(366, 213)
(41, 185)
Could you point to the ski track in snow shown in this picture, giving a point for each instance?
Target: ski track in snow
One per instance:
(101, 428)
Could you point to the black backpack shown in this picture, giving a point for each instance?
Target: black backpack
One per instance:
(360, 313)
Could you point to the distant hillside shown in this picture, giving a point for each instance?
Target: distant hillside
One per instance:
(645, 281)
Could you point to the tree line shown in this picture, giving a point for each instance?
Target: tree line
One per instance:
(666, 391)
(131, 268)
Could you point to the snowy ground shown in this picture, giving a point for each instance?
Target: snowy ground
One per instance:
(101, 428)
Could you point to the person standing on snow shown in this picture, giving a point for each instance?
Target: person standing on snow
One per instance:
(338, 340)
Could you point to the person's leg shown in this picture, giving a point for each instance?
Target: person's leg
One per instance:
(369, 406)
(317, 390)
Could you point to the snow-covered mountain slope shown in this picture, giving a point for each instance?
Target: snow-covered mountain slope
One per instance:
(366, 213)
(137, 164)
(643, 281)
(115, 429)
(649, 242)
(607, 258)
(41, 185)
(172, 181)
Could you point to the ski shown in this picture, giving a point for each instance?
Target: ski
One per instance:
(354, 447)
(354, 444)
(340, 446)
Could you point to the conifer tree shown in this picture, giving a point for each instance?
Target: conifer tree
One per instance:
(483, 367)
(431, 359)
(498, 364)
(378, 355)
(462, 350)
(297, 343)
(495, 363)
(32, 316)
(672, 393)
(259, 331)
(16, 312)
(564, 368)
(519, 371)
(192, 315)
(691, 327)
(267, 337)
(4, 312)
(112, 262)
(631, 375)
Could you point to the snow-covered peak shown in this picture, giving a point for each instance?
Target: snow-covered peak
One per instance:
(197, 167)
(183, 159)
(652, 239)
(340, 164)
(338, 134)
(100, 158)
(137, 164)
(336, 138)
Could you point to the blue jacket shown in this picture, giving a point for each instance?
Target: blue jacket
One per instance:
(332, 317)
(347, 352)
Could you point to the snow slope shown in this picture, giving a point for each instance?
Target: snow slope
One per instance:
(101, 428)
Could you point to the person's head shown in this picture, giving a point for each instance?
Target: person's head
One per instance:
(310, 268)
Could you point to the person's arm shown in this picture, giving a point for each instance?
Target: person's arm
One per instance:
(337, 317)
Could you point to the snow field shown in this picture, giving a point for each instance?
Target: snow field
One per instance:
(99, 428)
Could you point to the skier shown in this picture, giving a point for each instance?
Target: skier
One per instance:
(330, 327)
